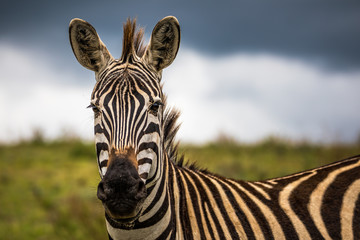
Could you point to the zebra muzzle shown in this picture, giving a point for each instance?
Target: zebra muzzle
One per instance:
(121, 190)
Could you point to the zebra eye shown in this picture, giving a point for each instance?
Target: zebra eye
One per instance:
(154, 108)
(94, 108)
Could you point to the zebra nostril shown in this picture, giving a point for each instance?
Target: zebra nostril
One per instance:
(141, 190)
(141, 186)
(101, 193)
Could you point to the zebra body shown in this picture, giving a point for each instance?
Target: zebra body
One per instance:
(312, 204)
(146, 191)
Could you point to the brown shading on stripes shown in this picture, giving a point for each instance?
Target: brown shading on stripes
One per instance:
(128, 153)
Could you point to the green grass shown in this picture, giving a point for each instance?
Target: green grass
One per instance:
(48, 190)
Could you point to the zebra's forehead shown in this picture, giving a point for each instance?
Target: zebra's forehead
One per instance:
(127, 80)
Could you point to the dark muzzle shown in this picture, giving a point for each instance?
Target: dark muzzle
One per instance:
(121, 190)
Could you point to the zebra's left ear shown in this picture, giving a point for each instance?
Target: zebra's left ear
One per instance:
(164, 43)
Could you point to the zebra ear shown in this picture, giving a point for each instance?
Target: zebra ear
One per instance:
(164, 43)
(88, 49)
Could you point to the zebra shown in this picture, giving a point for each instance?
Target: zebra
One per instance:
(147, 190)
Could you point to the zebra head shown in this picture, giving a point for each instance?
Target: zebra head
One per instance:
(127, 101)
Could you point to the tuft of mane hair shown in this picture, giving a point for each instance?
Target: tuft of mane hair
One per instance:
(132, 40)
(171, 146)
(170, 128)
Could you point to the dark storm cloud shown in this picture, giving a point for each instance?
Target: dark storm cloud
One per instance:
(326, 32)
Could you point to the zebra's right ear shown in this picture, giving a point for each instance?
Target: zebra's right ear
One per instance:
(88, 49)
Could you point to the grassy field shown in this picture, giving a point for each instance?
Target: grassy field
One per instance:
(48, 190)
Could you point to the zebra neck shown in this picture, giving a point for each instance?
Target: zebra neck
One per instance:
(208, 206)
(205, 207)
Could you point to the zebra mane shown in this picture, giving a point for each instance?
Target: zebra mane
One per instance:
(170, 128)
(132, 40)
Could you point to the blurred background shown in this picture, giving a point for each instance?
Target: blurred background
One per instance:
(269, 88)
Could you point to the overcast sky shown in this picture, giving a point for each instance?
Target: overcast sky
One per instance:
(248, 69)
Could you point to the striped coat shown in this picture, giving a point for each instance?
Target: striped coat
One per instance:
(146, 190)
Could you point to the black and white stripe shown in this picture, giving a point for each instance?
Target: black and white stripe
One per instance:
(184, 202)
(121, 120)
